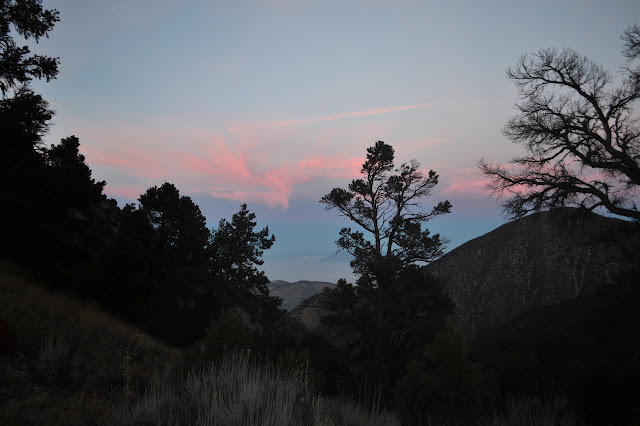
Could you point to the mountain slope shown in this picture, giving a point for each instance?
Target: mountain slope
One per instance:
(540, 259)
(293, 294)
(67, 362)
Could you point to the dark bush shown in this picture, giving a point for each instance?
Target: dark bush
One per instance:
(228, 332)
(445, 383)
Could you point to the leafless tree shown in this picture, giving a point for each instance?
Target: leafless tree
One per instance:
(580, 131)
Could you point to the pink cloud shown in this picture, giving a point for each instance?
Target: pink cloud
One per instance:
(238, 168)
(464, 181)
(468, 186)
(333, 166)
(269, 165)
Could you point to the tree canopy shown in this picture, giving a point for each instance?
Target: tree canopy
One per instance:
(179, 225)
(235, 252)
(17, 65)
(387, 206)
(395, 307)
(581, 133)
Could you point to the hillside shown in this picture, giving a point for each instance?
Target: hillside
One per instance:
(64, 361)
(586, 348)
(540, 259)
(293, 294)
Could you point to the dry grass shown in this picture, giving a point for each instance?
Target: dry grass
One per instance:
(72, 361)
(75, 364)
(236, 390)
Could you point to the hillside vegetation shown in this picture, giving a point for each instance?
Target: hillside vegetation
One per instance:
(66, 362)
(69, 361)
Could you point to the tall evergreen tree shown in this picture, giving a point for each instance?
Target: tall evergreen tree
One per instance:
(395, 307)
(179, 226)
(236, 251)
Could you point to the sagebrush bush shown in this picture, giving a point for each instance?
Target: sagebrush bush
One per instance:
(529, 411)
(234, 390)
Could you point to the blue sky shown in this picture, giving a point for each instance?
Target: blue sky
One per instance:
(273, 103)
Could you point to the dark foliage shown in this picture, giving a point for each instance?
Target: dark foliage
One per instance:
(388, 208)
(28, 19)
(169, 273)
(179, 228)
(228, 332)
(387, 324)
(445, 383)
(71, 177)
(586, 350)
(235, 251)
(395, 308)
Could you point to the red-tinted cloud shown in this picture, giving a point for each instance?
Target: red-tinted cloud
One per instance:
(464, 181)
(270, 164)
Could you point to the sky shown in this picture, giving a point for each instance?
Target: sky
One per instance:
(273, 103)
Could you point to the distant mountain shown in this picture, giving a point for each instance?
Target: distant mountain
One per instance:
(540, 259)
(310, 314)
(293, 294)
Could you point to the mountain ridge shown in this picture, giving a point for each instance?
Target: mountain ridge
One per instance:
(294, 293)
(540, 259)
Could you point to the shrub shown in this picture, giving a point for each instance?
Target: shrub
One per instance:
(58, 360)
(445, 383)
(227, 333)
(533, 411)
(234, 390)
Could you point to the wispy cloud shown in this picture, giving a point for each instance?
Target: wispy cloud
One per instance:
(464, 181)
(324, 118)
(247, 167)
(266, 163)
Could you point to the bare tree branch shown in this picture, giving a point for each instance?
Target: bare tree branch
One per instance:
(581, 133)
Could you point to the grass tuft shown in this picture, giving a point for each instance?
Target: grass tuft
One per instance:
(55, 360)
(237, 391)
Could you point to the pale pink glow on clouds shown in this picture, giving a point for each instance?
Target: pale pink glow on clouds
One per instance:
(265, 163)
(333, 167)
(465, 181)
(238, 167)
(323, 118)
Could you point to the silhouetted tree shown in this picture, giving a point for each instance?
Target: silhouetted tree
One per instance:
(28, 19)
(393, 298)
(581, 134)
(24, 118)
(236, 251)
(388, 207)
(179, 226)
(74, 186)
(162, 247)
(386, 325)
